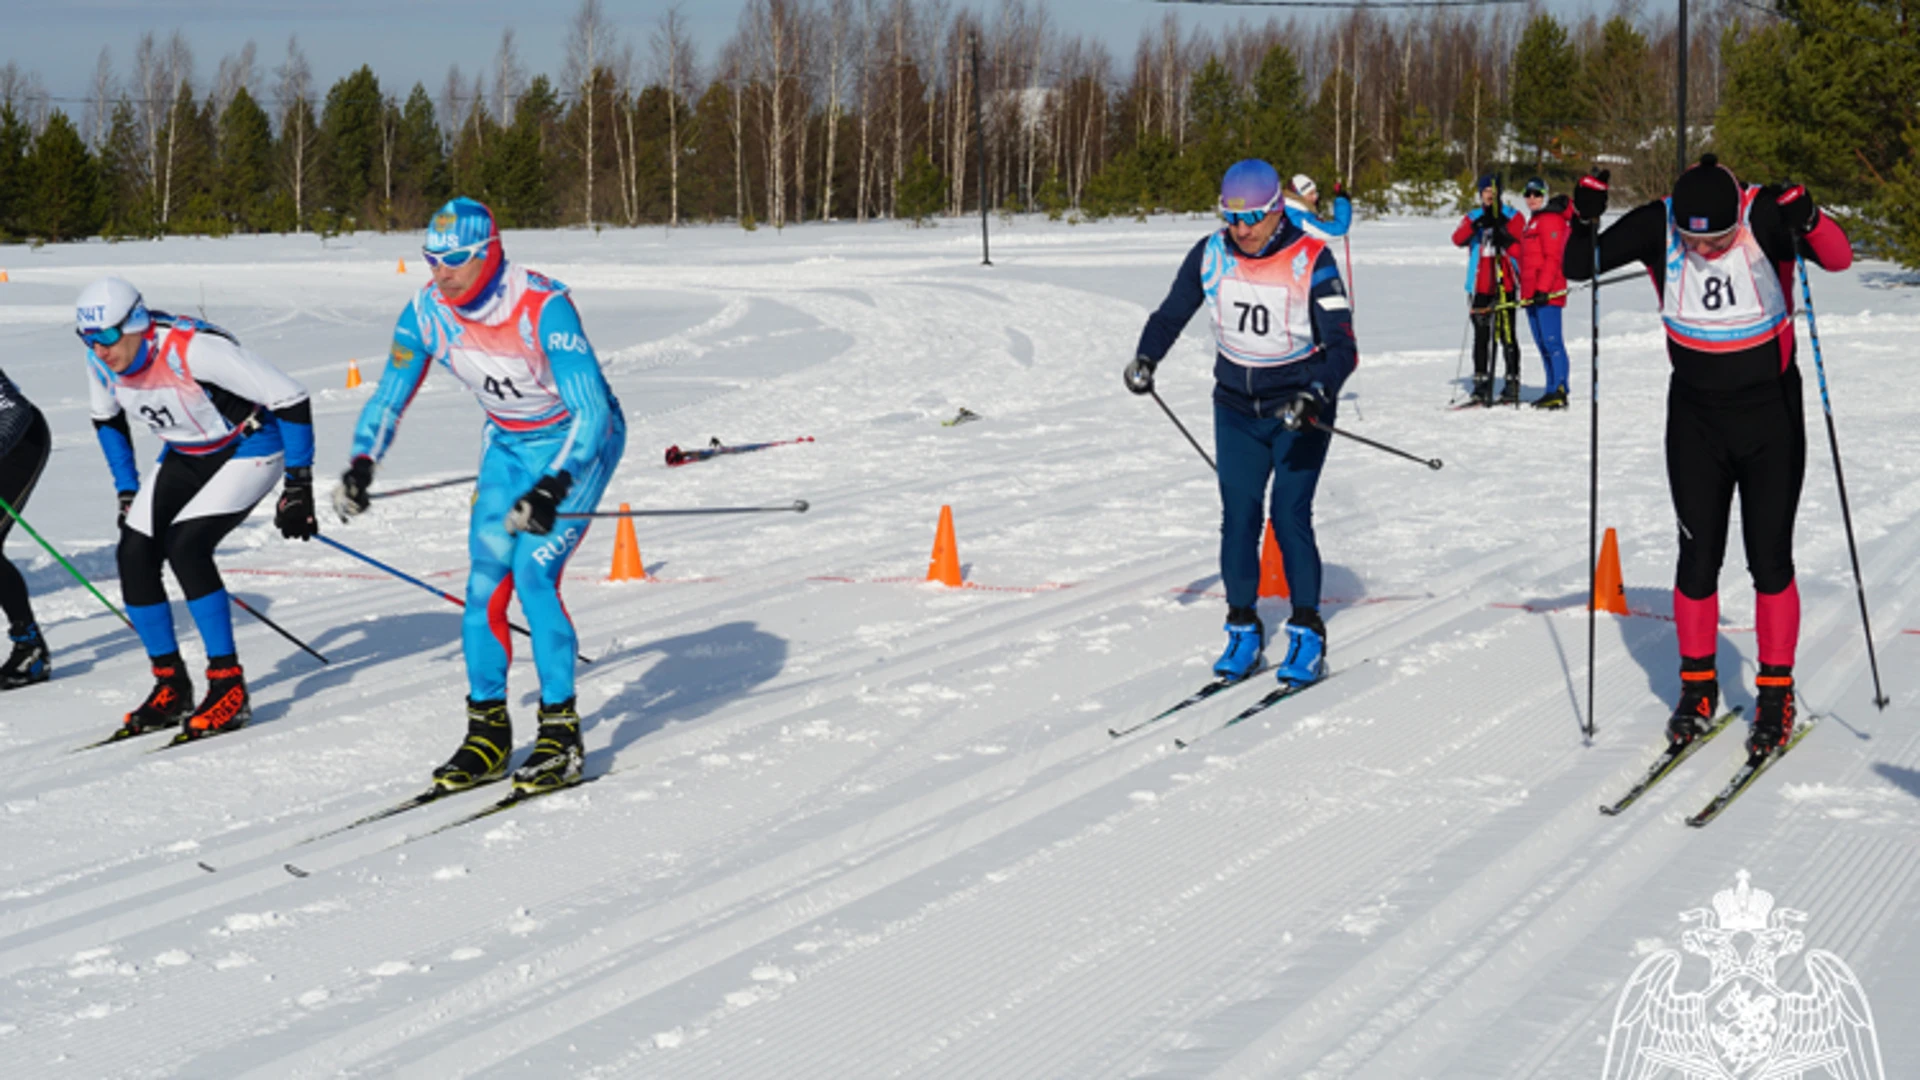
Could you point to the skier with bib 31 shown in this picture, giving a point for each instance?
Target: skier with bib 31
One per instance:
(1721, 255)
(1284, 334)
(231, 424)
(553, 436)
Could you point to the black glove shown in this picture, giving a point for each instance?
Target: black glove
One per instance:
(1305, 408)
(1590, 195)
(126, 503)
(536, 510)
(351, 496)
(1139, 374)
(1797, 211)
(1539, 298)
(294, 512)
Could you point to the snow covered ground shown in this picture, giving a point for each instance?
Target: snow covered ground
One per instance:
(856, 825)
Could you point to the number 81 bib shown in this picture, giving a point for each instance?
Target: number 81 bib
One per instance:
(1728, 303)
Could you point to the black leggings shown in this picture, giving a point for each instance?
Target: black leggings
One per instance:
(187, 546)
(1494, 324)
(1753, 441)
(19, 472)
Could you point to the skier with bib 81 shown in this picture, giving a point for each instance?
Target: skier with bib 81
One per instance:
(1284, 333)
(231, 424)
(1721, 255)
(553, 436)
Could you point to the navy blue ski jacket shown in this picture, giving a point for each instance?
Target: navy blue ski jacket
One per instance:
(1264, 391)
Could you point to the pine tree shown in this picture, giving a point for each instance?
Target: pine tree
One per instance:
(245, 187)
(1277, 126)
(1546, 100)
(922, 190)
(126, 204)
(15, 139)
(350, 147)
(423, 168)
(64, 197)
(1420, 161)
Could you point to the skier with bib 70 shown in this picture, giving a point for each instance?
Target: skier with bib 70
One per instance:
(231, 424)
(1284, 334)
(1721, 255)
(553, 436)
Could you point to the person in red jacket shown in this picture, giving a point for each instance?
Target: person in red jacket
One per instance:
(1721, 256)
(1493, 282)
(1544, 285)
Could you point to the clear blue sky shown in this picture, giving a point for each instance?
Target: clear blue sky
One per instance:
(415, 40)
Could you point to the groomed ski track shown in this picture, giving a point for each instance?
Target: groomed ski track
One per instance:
(861, 826)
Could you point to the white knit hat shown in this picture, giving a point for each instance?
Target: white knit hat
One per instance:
(1301, 185)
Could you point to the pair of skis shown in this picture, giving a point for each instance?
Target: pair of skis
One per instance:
(715, 448)
(1752, 767)
(1273, 697)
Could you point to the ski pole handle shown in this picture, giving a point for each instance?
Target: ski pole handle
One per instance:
(1431, 463)
(798, 506)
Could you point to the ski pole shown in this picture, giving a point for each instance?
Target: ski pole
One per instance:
(276, 628)
(1839, 478)
(1431, 463)
(62, 560)
(455, 482)
(1593, 487)
(1347, 241)
(1183, 430)
(798, 506)
(411, 580)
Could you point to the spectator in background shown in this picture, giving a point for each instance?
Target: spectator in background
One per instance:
(1544, 285)
(1493, 281)
(1303, 208)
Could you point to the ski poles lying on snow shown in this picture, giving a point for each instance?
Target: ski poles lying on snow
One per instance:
(430, 486)
(277, 628)
(1431, 463)
(797, 506)
(411, 580)
(1846, 515)
(62, 560)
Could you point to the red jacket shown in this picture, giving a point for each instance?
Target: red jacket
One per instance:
(1481, 264)
(1541, 246)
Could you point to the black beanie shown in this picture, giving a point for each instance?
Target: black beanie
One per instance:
(1706, 198)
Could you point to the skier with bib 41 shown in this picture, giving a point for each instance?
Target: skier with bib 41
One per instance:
(1721, 255)
(1284, 334)
(231, 424)
(553, 436)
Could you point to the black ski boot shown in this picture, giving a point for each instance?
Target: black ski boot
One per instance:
(227, 707)
(29, 662)
(1482, 390)
(1774, 711)
(482, 757)
(168, 704)
(557, 758)
(1699, 701)
(1510, 391)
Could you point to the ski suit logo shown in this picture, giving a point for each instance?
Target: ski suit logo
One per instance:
(565, 342)
(557, 547)
(1742, 1025)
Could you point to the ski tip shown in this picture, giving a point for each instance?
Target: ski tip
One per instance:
(296, 871)
(1610, 811)
(207, 868)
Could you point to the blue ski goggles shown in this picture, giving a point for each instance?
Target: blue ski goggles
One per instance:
(454, 258)
(104, 336)
(1244, 217)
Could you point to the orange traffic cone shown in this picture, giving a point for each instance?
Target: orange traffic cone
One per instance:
(1609, 594)
(945, 567)
(626, 552)
(402, 268)
(4, 277)
(353, 373)
(1273, 569)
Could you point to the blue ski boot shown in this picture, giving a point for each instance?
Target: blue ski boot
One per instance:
(1306, 658)
(1246, 642)
(29, 662)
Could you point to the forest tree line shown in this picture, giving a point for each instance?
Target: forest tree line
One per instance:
(856, 109)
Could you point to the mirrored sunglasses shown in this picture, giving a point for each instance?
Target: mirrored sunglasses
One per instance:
(456, 257)
(106, 335)
(1244, 217)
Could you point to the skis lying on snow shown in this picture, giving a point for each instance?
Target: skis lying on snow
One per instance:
(1274, 697)
(715, 448)
(1187, 702)
(1670, 760)
(1748, 772)
(516, 798)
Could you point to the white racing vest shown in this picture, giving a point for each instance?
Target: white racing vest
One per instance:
(1262, 308)
(1725, 304)
(498, 356)
(165, 394)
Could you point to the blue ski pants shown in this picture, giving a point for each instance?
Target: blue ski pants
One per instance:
(1250, 451)
(505, 565)
(1545, 321)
